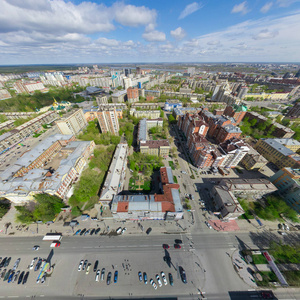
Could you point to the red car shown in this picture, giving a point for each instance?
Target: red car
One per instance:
(177, 246)
(166, 246)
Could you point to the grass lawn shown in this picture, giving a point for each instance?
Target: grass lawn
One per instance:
(292, 277)
(259, 259)
(175, 179)
(268, 276)
(171, 164)
(146, 186)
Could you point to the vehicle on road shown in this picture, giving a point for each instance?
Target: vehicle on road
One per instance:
(52, 237)
(88, 269)
(84, 265)
(97, 275)
(102, 274)
(166, 246)
(83, 231)
(153, 284)
(35, 248)
(177, 246)
(182, 274)
(96, 265)
(32, 263)
(15, 277)
(145, 277)
(208, 225)
(158, 280)
(77, 232)
(16, 264)
(183, 172)
(21, 277)
(38, 264)
(140, 276)
(171, 279)
(108, 278)
(119, 230)
(7, 262)
(116, 277)
(7, 275)
(97, 230)
(10, 278)
(25, 278)
(163, 276)
(55, 244)
(80, 265)
(149, 230)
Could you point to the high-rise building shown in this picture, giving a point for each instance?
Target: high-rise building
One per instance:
(127, 72)
(132, 95)
(242, 92)
(108, 121)
(138, 71)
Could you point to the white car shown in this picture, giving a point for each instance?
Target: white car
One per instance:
(153, 284)
(32, 263)
(208, 225)
(80, 265)
(119, 230)
(158, 280)
(163, 276)
(97, 275)
(123, 230)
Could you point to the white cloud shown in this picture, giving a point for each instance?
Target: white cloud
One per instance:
(213, 43)
(107, 42)
(178, 33)
(130, 15)
(154, 36)
(189, 9)
(265, 34)
(240, 8)
(266, 7)
(286, 3)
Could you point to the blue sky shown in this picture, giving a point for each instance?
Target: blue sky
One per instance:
(58, 31)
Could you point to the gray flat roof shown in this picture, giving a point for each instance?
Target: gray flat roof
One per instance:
(119, 93)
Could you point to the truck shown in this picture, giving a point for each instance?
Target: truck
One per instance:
(52, 237)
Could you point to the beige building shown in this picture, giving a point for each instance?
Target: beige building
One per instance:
(149, 114)
(158, 148)
(72, 124)
(101, 99)
(108, 121)
(253, 160)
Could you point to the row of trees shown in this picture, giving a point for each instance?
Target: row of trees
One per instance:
(257, 130)
(46, 208)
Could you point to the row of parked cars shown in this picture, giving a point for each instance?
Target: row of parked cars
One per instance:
(84, 265)
(14, 276)
(85, 231)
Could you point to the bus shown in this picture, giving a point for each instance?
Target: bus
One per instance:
(52, 237)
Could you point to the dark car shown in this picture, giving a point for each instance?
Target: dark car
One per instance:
(21, 277)
(182, 274)
(171, 279)
(25, 278)
(149, 230)
(166, 246)
(10, 277)
(77, 232)
(116, 277)
(7, 275)
(7, 262)
(2, 274)
(92, 231)
(145, 277)
(97, 230)
(37, 266)
(96, 265)
(108, 278)
(178, 241)
(3, 262)
(83, 231)
(140, 276)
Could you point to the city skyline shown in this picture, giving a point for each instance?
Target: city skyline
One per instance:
(57, 32)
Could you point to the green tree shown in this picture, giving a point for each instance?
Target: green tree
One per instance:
(24, 215)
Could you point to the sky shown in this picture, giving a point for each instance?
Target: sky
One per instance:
(132, 31)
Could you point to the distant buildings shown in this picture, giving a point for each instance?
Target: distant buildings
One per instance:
(72, 124)
(108, 121)
(22, 86)
(149, 114)
(294, 112)
(165, 206)
(180, 111)
(287, 180)
(115, 177)
(30, 174)
(278, 151)
(119, 96)
(102, 99)
(170, 106)
(132, 95)
(4, 94)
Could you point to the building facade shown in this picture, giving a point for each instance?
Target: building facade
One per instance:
(253, 160)
(132, 95)
(108, 121)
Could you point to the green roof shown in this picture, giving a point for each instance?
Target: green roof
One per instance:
(239, 108)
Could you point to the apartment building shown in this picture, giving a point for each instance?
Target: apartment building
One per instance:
(148, 114)
(294, 112)
(72, 124)
(16, 135)
(157, 147)
(236, 112)
(102, 99)
(118, 97)
(17, 115)
(22, 188)
(29, 87)
(150, 106)
(181, 111)
(132, 95)
(253, 160)
(277, 153)
(7, 125)
(108, 121)
(287, 180)
(4, 94)
(117, 106)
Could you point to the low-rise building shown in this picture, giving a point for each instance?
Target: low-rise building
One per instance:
(119, 97)
(72, 124)
(4, 94)
(294, 112)
(157, 147)
(170, 106)
(102, 99)
(180, 111)
(165, 206)
(151, 106)
(110, 106)
(115, 176)
(149, 114)
(253, 160)
(287, 181)
(7, 125)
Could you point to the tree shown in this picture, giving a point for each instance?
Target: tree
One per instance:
(172, 120)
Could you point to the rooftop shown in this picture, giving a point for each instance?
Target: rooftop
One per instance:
(119, 93)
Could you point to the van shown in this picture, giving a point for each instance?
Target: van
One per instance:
(183, 172)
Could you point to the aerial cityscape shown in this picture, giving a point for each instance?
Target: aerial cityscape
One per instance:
(150, 149)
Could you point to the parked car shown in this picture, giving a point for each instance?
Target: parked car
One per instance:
(116, 277)
(208, 225)
(16, 264)
(178, 241)
(108, 278)
(77, 232)
(140, 276)
(97, 230)
(25, 278)
(119, 230)
(123, 230)
(3, 262)
(171, 279)
(10, 277)
(97, 275)
(35, 248)
(88, 269)
(149, 230)
(177, 246)
(7, 262)
(2, 274)
(43, 279)
(7, 275)
(166, 246)
(84, 265)
(87, 232)
(153, 284)
(38, 264)
(158, 280)
(102, 274)
(32, 263)
(80, 265)
(182, 274)
(96, 265)
(92, 231)
(83, 231)
(21, 277)
(145, 277)
(163, 276)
